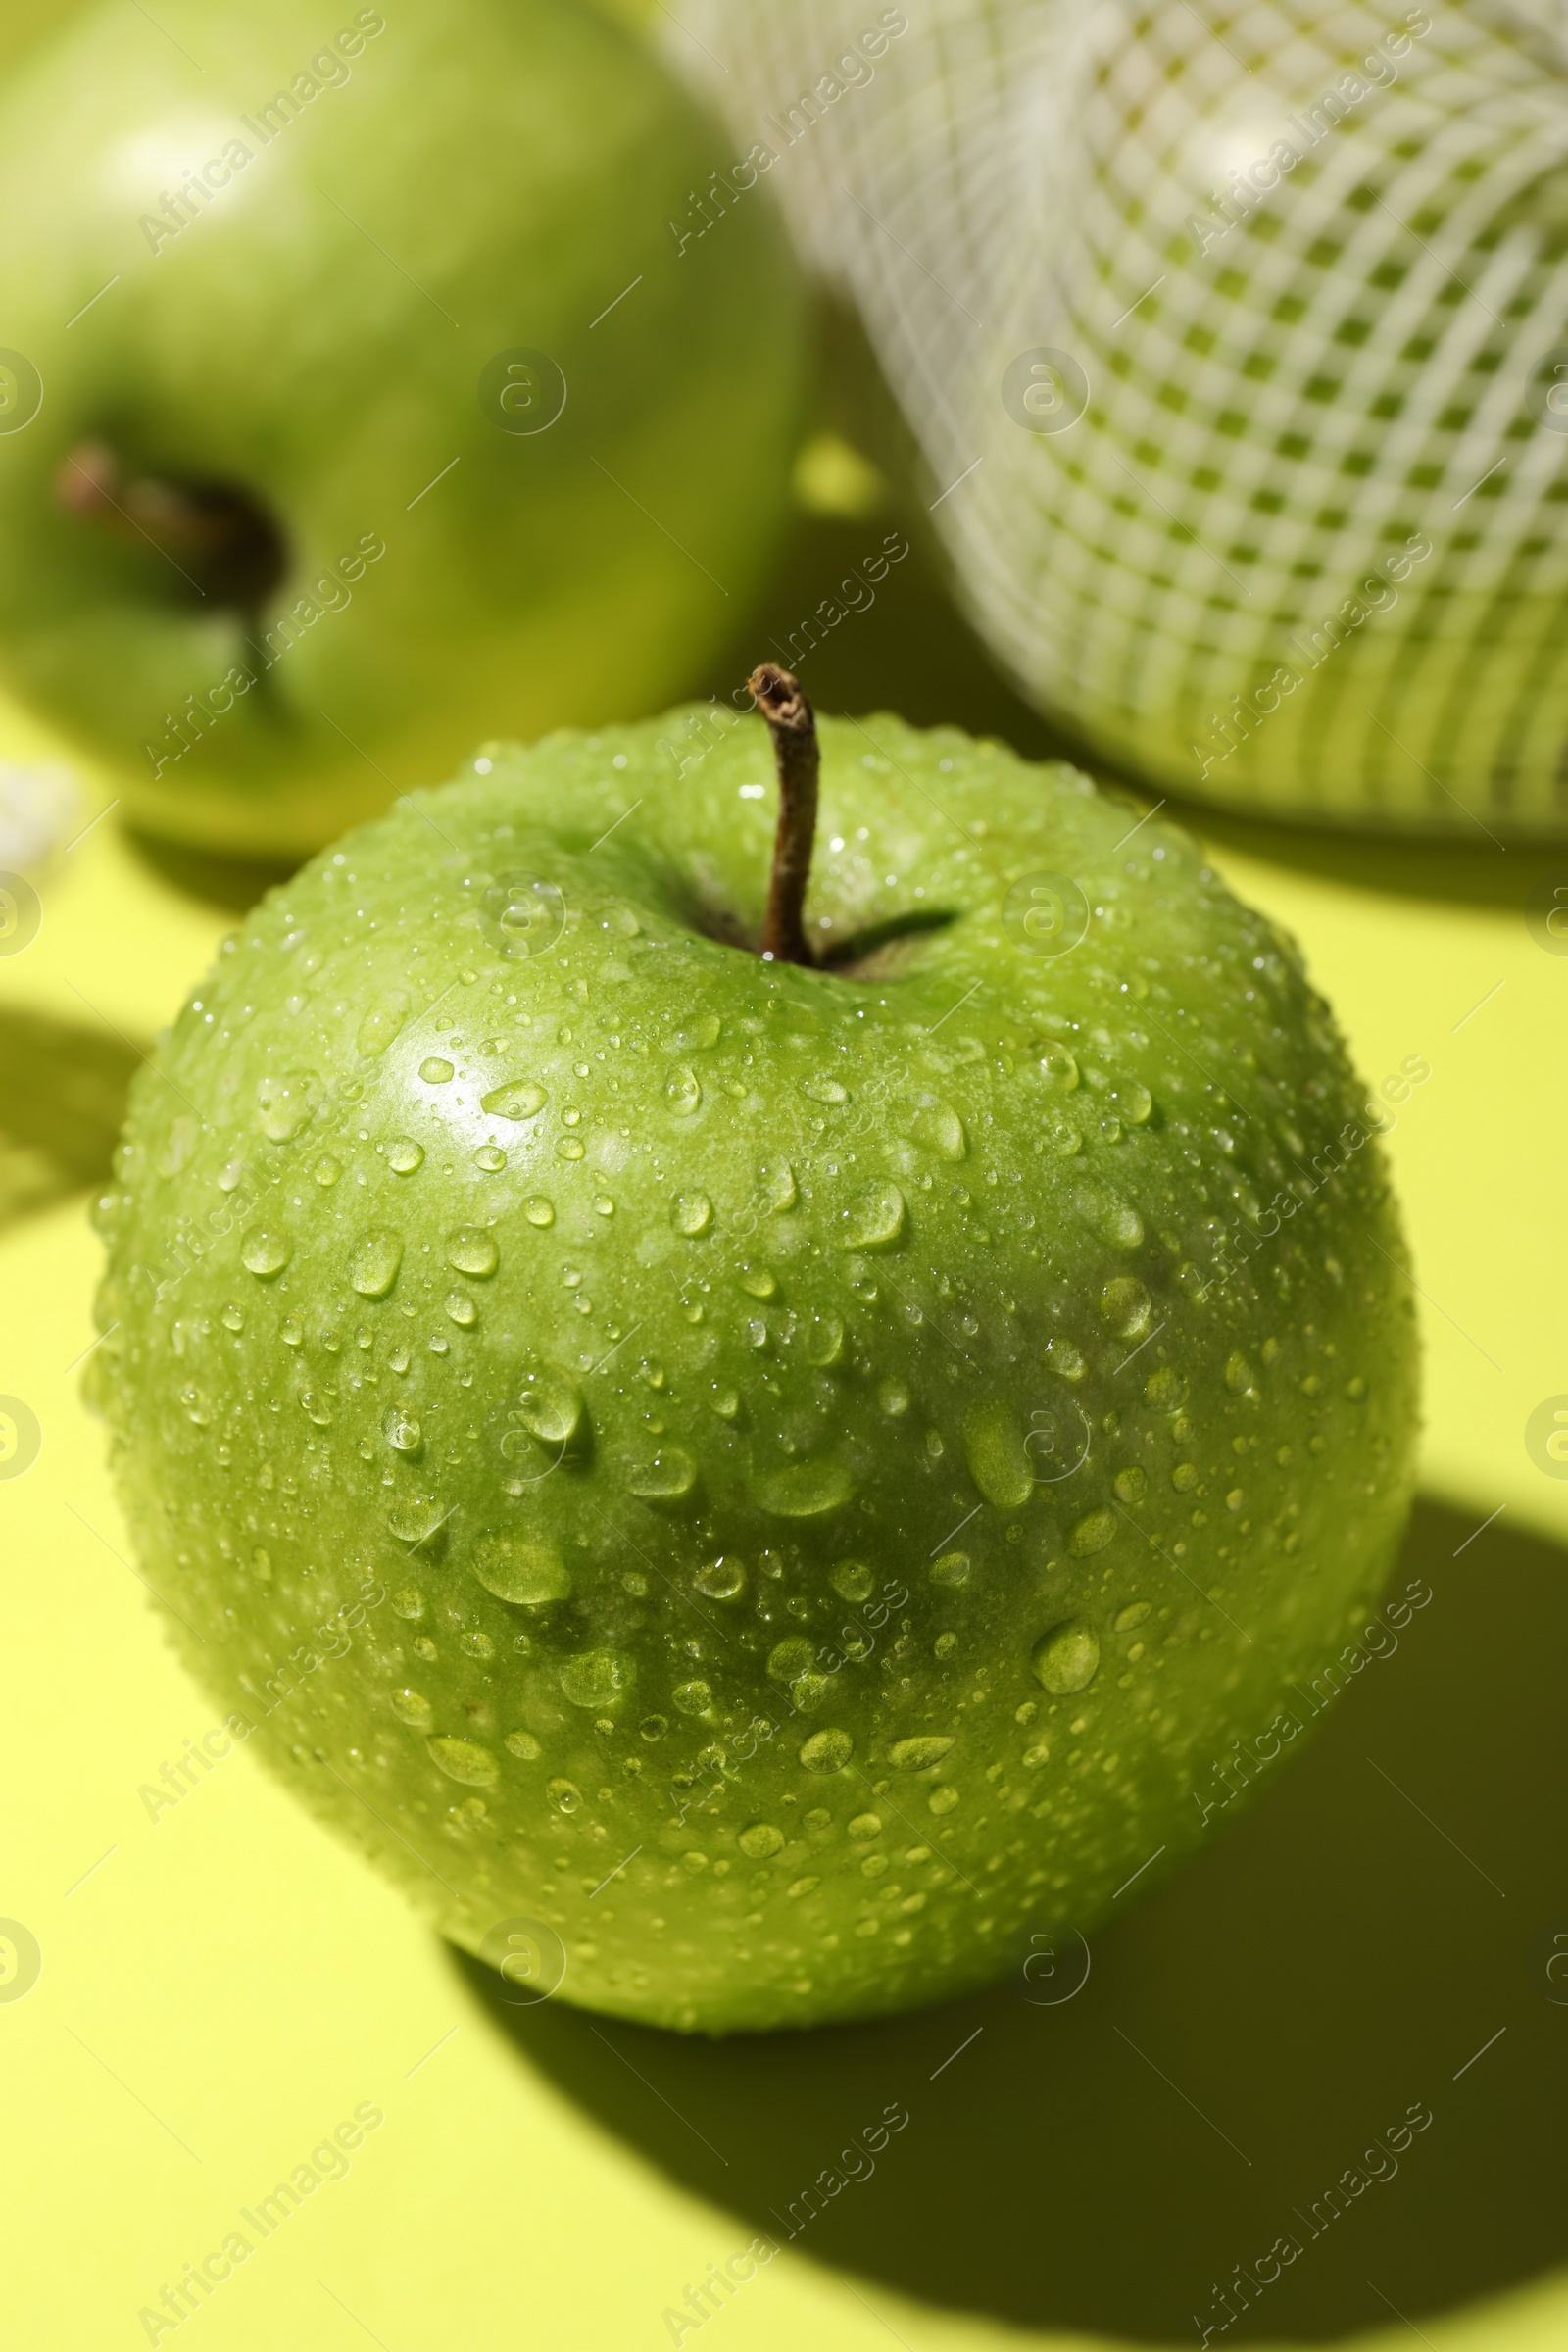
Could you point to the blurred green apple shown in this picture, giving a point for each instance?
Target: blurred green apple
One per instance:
(25, 22)
(356, 396)
(767, 1481)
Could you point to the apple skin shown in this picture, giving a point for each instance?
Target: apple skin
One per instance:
(520, 162)
(712, 1325)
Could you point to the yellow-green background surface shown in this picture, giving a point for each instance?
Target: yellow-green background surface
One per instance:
(222, 1985)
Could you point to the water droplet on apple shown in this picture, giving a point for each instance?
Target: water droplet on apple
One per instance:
(464, 1760)
(523, 1745)
(1067, 1659)
(382, 1022)
(598, 1678)
(462, 1310)
(994, 1451)
(264, 1250)
(522, 915)
(550, 1405)
(1059, 1069)
(943, 1128)
(1125, 1305)
(692, 1699)
(403, 1155)
(809, 1490)
(491, 1158)
(373, 1267)
(722, 1578)
(952, 1569)
(565, 1795)
(695, 1037)
(777, 1183)
(413, 1708)
(1092, 1533)
(436, 1072)
(875, 1221)
(514, 1100)
(539, 1211)
(1114, 1220)
(414, 1518)
(317, 1406)
(850, 1580)
(522, 1569)
(758, 1840)
(824, 1340)
(827, 1751)
(824, 1090)
(684, 1092)
(943, 1800)
(198, 1409)
(471, 1250)
(326, 1171)
(757, 1282)
(692, 1214)
(232, 1318)
(402, 1430)
(791, 1658)
(661, 1477)
(920, 1754)
(284, 1105)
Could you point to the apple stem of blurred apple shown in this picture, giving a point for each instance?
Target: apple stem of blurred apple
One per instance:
(218, 539)
(798, 759)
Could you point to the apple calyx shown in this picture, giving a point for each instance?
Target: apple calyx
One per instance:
(793, 727)
(220, 539)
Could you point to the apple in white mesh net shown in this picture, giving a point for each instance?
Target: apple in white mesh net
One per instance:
(1235, 345)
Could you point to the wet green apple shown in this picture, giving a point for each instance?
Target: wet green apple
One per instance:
(355, 393)
(773, 1480)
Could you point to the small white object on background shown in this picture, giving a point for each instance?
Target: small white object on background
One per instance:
(40, 809)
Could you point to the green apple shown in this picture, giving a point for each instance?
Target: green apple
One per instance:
(1237, 361)
(358, 393)
(773, 1480)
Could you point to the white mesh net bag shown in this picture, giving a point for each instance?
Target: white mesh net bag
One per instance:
(1237, 349)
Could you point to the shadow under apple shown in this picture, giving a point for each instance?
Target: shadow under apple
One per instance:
(63, 1089)
(1371, 1938)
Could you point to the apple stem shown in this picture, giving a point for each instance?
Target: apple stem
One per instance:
(798, 758)
(218, 539)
